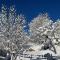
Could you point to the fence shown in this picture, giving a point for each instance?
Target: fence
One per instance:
(39, 57)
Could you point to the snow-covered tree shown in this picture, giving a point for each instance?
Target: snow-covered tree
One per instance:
(40, 25)
(43, 26)
(11, 29)
(57, 31)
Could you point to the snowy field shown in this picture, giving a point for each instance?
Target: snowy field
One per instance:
(37, 53)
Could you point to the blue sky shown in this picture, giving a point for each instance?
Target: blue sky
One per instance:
(31, 8)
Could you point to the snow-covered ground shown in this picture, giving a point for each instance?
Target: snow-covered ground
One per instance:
(58, 50)
(36, 52)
